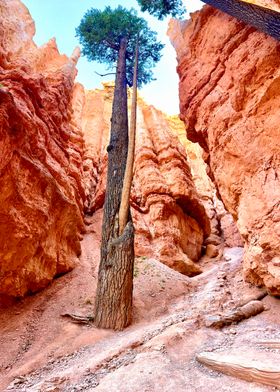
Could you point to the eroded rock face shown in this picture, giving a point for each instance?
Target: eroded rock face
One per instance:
(167, 209)
(96, 124)
(41, 190)
(229, 94)
(169, 219)
(223, 228)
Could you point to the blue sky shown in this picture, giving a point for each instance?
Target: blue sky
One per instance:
(59, 18)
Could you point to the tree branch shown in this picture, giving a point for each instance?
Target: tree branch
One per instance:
(110, 73)
(112, 45)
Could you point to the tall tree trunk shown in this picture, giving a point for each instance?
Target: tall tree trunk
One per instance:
(128, 177)
(113, 304)
(261, 18)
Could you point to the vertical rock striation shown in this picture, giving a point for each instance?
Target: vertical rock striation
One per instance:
(229, 94)
(96, 129)
(170, 220)
(167, 209)
(41, 189)
(223, 228)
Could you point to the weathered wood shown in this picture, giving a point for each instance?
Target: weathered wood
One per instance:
(272, 5)
(128, 176)
(113, 304)
(257, 297)
(261, 18)
(114, 301)
(244, 367)
(76, 318)
(246, 311)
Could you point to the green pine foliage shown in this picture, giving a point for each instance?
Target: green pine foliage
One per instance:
(100, 33)
(162, 8)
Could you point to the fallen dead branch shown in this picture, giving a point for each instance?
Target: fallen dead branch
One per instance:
(75, 318)
(257, 297)
(246, 311)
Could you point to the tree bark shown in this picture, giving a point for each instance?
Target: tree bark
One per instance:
(128, 177)
(261, 18)
(113, 304)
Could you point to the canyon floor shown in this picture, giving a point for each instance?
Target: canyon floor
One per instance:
(43, 351)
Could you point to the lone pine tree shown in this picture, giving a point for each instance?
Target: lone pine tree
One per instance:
(110, 37)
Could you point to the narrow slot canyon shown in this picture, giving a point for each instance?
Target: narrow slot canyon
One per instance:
(204, 202)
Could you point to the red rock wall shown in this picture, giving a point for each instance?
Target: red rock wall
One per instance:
(41, 190)
(223, 228)
(96, 129)
(230, 93)
(169, 219)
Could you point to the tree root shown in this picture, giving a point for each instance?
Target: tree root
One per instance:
(75, 318)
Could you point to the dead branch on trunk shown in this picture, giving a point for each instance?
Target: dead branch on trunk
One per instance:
(128, 176)
(102, 75)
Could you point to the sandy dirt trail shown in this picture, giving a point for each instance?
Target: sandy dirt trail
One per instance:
(42, 351)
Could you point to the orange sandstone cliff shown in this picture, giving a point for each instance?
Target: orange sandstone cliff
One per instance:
(223, 227)
(41, 190)
(229, 101)
(170, 221)
(53, 163)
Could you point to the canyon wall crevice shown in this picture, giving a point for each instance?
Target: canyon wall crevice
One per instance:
(53, 167)
(229, 101)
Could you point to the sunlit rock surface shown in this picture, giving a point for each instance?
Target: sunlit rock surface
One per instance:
(229, 93)
(169, 218)
(222, 223)
(41, 190)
